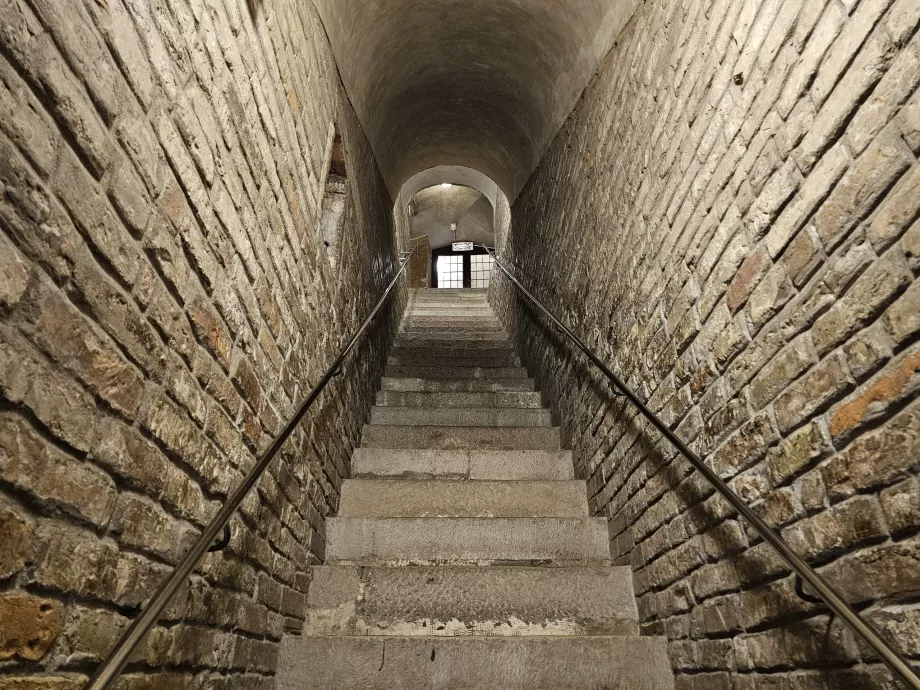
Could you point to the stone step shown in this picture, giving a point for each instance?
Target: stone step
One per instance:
(401, 498)
(470, 416)
(456, 372)
(514, 400)
(419, 385)
(479, 327)
(440, 349)
(452, 339)
(442, 359)
(449, 310)
(476, 541)
(474, 663)
(476, 465)
(452, 292)
(461, 437)
(463, 600)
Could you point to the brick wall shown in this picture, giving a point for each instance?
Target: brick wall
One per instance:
(165, 301)
(729, 217)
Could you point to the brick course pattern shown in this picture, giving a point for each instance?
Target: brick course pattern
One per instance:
(165, 302)
(730, 218)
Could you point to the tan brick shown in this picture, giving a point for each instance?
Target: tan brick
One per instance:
(28, 127)
(839, 527)
(770, 295)
(69, 339)
(34, 51)
(856, 193)
(901, 505)
(894, 88)
(16, 538)
(14, 274)
(797, 452)
(897, 211)
(28, 626)
(781, 370)
(866, 297)
(210, 329)
(42, 682)
(876, 457)
(813, 190)
(32, 464)
(894, 383)
(810, 393)
(903, 317)
(126, 453)
(76, 561)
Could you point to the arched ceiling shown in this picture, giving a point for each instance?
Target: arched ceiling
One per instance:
(454, 174)
(484, 84)
(436, 208)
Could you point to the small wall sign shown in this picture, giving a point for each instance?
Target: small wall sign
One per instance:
(462, 246)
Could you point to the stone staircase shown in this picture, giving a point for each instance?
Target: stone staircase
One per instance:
(463, 555)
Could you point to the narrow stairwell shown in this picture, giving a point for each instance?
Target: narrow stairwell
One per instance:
(463, 555)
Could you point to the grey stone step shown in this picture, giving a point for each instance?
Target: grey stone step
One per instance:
(440, 349)
(464, 600)
(452, 331)
(453, 292)
(461, 437)
(474, 663)
(478, 541)
(520, 400)
(463, 464)
(453, 323)
(453, 359)
(398, 498)
(469, 416)
(456, 339)
(436, 309)
(418, 385)
(414, 372)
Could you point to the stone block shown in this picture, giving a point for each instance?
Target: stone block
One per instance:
(33, 465)
(810, 393)
(897, 381)
(875, 288)
(876, 457)
(28, 626)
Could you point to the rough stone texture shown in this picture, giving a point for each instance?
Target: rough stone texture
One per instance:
(450, 601)
(530, 663)
(165, 302)
(729, 219)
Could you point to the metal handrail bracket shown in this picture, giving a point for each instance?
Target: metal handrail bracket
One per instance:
(109, 670)
(834, 601)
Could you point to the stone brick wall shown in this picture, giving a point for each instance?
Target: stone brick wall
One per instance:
(729, 217)
(165, 301)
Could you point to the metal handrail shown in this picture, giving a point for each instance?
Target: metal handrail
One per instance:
(115, 662)
(834, 601)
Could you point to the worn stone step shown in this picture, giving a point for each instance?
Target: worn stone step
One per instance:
(452, 339)
(470, 416)
(463, 349)
(479, 541)
(463, 464)
(461, 437)
(453, 359)
(441, 309)
(474, 663)
(456, 372)
(480, 329)
(418, 385)
(464, 600)
(468, 321)
(519, 400)
(394, 498)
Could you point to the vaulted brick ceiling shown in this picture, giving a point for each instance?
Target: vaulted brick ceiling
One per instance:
(479, 83)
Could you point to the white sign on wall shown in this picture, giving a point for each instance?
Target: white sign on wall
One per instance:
(462, 246)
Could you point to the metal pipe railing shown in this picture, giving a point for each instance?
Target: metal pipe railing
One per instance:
(834, 601)
(109, 670)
